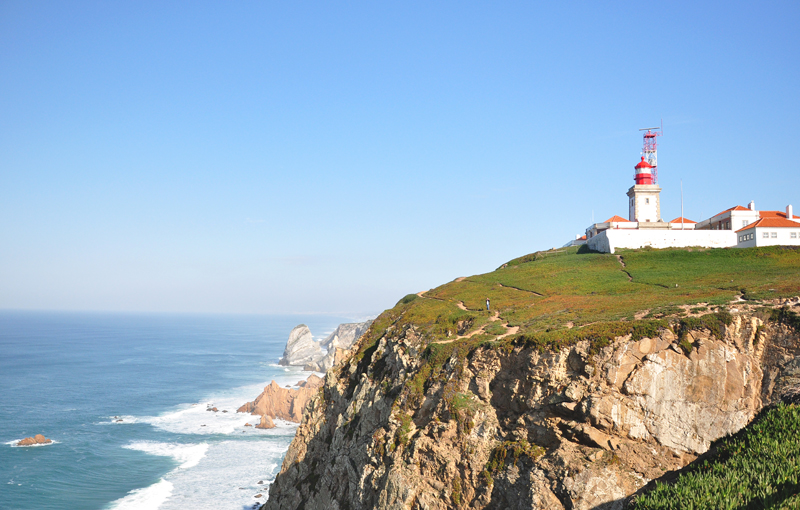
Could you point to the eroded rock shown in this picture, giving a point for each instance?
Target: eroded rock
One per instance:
(37, 439)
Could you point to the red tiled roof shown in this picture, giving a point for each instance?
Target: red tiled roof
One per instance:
(737, 208)
(582, 238)
(685, 220)
(772, 223)
(775, 214)
(617, 219)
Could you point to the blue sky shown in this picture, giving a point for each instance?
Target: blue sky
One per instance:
(264, 157)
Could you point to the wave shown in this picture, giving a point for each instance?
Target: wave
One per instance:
(148, 498)
(189, 455)
(228, 474)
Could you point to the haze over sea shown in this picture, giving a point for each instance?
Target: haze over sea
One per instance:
(71, 376)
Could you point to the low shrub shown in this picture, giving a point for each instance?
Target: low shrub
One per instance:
(759, 467)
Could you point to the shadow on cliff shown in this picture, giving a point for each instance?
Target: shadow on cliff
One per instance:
(617, 504)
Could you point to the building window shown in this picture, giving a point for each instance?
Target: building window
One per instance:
(765, 235)
(646, 200)
(745, 223)
(740, 238)
(794, 235)
(774, 235)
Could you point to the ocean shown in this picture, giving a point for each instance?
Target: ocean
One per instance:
(124, 398)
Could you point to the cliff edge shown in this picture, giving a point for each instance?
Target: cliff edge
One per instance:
(591, 376)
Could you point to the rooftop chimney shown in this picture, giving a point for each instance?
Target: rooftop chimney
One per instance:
(789, 212)
(752, 205)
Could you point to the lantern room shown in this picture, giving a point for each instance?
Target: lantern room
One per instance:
(644, 173)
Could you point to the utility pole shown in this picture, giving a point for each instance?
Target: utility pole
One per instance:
(681, 204)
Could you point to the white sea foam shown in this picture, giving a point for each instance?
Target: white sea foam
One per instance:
(120, 420)
(228, 476)
(189, 455)
(13, 444)
(197, 418)
(219, 475)
(148, 498)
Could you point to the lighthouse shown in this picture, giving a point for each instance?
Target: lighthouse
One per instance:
(644, 173)
(644, 204)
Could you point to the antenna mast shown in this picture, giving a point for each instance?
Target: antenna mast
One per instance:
(650, 148)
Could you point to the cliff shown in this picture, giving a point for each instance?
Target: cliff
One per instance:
(542, 405)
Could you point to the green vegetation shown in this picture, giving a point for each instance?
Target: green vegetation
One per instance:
(785, 316)
(404, 432)
(545, 291)
(456, 494)
(757, 468)
(509, 452)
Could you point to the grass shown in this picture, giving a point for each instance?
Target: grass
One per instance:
(757, 468)
(540, 293)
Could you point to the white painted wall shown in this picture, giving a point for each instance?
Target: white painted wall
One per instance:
(784, 237)
(740, 219)
(609, 240)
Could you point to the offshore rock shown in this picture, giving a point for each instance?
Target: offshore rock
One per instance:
(37, 439)
(284, 403)
(301, 349)
(574, 428)
(266, 423)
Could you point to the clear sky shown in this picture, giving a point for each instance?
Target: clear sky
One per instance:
(273, 157)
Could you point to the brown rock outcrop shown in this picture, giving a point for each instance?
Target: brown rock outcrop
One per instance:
(266, 423)
(574, 428)
(284, 403)
(37, 439)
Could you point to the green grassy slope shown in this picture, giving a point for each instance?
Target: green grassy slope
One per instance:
(550, 291)
(757, 468)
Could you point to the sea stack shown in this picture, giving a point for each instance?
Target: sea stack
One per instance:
(31, 441)
(301, 349)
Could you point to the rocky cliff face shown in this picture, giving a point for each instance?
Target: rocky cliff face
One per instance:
(580, 427)
(345, 335)
(301, 349)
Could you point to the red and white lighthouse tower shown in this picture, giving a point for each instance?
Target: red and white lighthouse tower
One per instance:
(644, 173)
(644, 204)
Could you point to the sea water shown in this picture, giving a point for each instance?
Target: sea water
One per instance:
(124, 397)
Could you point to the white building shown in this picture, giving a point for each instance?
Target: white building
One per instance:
(770, 231)
(735, 227)
(731, 219)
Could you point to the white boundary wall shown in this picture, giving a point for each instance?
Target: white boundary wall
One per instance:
(609, 240)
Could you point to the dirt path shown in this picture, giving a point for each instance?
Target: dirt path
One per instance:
(622, 262)
(494, 318)
(521, 290)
